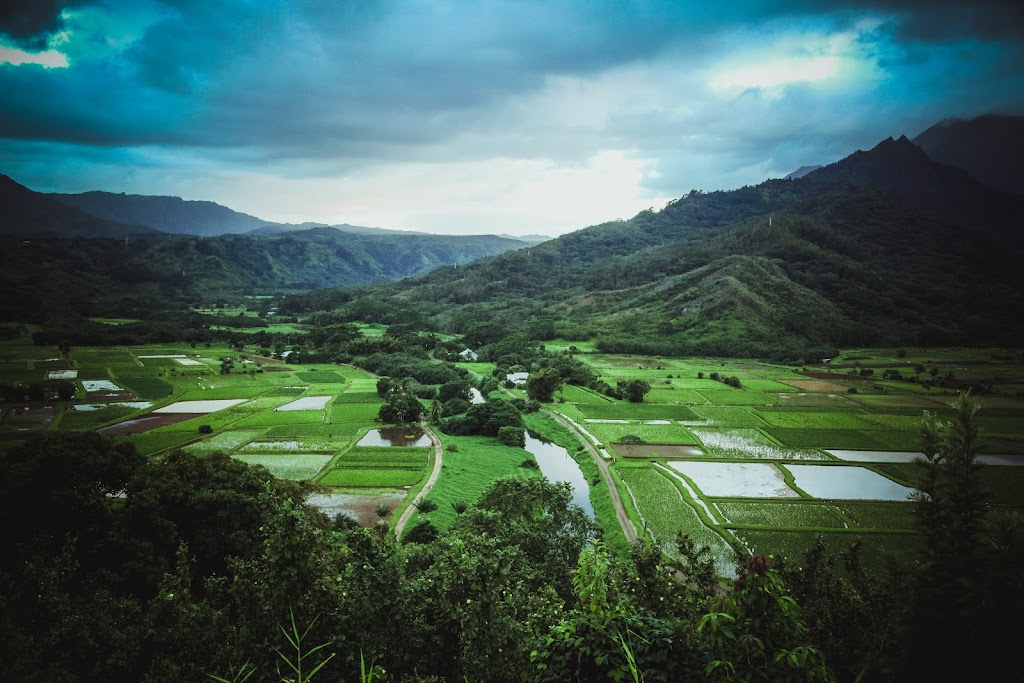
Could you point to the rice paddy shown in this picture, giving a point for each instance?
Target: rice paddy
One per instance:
(775, 462)
(772, 465)
(736, 480)
(296, 466)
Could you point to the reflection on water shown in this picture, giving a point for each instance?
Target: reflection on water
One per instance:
(557, 465)
(395, 436)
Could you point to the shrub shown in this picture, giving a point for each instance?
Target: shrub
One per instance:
(529, 464)
(512, 436)
(426, 506)
(205, 429)
(631, 440)
(424, 532)
(460, 506)
(343, 521)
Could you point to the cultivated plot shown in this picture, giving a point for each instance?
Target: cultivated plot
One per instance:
(844, 482)
(306, 403)
(736, 480)
(199, 407)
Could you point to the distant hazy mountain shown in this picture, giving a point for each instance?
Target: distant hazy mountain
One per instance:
(26, 213)
(990, 148)
(95, 275)
(169, 214)
(802, 171)
(529, 239)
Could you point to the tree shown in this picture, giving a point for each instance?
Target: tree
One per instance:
(634, 390)
(756, 634)
(951, 606)
(66, 390)
(454, 389)
(485, 419)
(542, 385)
(400, 408)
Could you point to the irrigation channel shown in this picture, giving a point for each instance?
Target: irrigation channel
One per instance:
(628, 530)
(557, 465)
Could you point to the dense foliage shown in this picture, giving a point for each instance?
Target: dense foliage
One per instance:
(176, 569)
(864, 252)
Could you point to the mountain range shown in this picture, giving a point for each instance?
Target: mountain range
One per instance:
(886, 246)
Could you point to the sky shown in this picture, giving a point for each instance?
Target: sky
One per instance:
(478, 116)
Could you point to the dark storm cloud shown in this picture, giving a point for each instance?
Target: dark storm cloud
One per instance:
(316, 87)
(30, 23)
(369, 78)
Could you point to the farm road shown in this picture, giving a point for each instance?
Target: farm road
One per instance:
(602, 464)
(431, 480)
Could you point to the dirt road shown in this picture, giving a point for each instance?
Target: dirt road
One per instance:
(431, 480)
(602, 464)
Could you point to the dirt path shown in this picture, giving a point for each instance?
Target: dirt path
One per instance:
(602, 464)
(431, 480)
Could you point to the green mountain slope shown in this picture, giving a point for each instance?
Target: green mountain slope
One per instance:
(96, 275)
(861, 252)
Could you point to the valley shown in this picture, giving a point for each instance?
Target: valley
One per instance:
(734, 467)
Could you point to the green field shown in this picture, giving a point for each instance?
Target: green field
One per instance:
(637, 411)
(469, 470)
(371, 478)
(665, 513)
(766, 421)
(613, 433)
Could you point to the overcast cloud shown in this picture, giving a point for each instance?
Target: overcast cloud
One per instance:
(469, 117)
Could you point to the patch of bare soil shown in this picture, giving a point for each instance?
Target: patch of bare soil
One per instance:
(664, 450)
(29, 418)
(146, 423)
(815, 385)
(265, 359)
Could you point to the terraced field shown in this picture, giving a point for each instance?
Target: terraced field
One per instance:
(760, 475)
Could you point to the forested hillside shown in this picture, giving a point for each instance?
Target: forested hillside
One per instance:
(884, 247)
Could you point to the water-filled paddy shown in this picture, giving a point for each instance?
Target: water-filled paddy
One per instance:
(395, 436)
(62, 374)
(100, 385)
(736, 479)
(846, 482)
(137, 405)
(200, 407)
(306, 403)
(875, 456)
